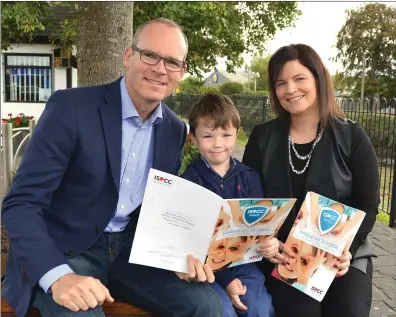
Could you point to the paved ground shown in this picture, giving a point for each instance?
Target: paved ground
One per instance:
(384, 278)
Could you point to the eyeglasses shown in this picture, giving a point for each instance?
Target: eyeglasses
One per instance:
(151, 58)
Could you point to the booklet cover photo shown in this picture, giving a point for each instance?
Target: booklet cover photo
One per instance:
(322, 231)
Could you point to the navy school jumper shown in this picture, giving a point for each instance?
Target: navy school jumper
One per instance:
(240, 181)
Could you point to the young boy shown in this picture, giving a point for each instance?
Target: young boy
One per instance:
(214, 123)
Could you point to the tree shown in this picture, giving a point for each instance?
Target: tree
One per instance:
(20, 20)
(190, 85)
(260, 65)
(105, 29)
(214, 29)
(344, 83)
(221, 29)
(370, 31)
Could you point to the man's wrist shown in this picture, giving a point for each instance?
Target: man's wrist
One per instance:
(53, 275)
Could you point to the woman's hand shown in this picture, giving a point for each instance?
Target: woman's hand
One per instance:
(343, 264)
(269, 249)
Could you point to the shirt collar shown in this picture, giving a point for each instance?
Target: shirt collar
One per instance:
(129, 109)
(232, 166)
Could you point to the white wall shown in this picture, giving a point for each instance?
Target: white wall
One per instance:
(58, 79)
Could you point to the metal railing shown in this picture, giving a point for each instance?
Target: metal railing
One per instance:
(8, 156)
(377, 117)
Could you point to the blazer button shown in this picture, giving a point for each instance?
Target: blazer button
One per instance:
(97, 230)
(22, 269)
(68, 252)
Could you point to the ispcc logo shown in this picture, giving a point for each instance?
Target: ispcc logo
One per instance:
(316, 290)
(163, 180)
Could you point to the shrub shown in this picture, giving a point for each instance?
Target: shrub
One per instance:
(190, 154)
(208, 89)
(230, 88)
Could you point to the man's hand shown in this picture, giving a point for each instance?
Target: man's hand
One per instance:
(196, 271)
(269, 249)
(77, 292)
(234, 290)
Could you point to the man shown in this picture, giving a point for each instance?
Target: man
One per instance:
(75, 199)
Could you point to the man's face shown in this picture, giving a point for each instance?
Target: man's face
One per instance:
(149, 84)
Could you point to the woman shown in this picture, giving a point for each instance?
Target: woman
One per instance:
(312, 147)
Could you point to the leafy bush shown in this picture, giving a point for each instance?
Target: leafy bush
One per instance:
(256, 93)
(190, 154)
(190, 85)
(230, 88)
(208, 89)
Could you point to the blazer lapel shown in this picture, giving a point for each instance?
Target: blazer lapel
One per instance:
(111, 116)
(162, 133)
(320, 178)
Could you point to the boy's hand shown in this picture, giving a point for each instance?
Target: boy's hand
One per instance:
(196, 271)
(234, 290)
(269, 249)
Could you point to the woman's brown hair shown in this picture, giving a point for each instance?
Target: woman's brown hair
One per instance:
(306, 55)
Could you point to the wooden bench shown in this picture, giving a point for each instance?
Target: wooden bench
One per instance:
(115, 309)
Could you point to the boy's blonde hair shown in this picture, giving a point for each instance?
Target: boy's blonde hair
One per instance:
(217, 108)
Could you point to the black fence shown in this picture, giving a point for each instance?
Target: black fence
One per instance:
(377, 117)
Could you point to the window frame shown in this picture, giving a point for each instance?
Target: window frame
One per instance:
(6, 79)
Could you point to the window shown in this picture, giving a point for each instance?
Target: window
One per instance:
(28, 77)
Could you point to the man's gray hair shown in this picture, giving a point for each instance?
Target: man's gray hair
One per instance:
(159, 20)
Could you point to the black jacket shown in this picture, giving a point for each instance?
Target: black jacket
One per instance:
(343, 167)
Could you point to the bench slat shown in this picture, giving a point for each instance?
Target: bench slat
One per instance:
(115, 309)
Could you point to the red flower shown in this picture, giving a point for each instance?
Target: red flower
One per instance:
(21, 114)
(4, 120)
(31, 117)
(10, 114)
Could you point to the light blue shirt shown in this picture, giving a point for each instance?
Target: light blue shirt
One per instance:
(136, 160)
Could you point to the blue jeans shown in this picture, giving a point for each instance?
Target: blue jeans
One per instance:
(93, 262)
(257, 298)
(161, 292)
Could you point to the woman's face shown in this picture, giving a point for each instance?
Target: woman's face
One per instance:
(296, 88)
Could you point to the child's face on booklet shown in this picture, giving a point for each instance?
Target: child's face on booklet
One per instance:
(215, 144)
(226, 251)
(288, 271)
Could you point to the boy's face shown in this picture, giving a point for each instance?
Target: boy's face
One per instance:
(216, 146)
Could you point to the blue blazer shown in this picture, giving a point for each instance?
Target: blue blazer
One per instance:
(66, 188)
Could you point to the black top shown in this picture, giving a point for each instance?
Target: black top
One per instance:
(343, 168)
(298, 181)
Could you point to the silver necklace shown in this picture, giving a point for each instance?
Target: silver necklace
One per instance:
(302, 157)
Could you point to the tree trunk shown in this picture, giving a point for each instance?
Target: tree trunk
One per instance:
(105, 30)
